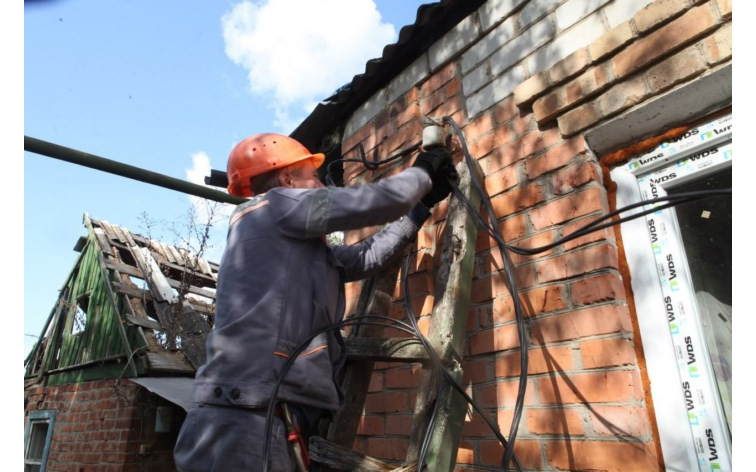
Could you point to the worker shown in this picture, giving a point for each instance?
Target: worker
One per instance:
(279, 282)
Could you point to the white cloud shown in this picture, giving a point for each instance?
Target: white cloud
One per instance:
(205, 209)
(298, 52)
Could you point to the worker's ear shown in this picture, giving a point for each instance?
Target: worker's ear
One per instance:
(284, 178)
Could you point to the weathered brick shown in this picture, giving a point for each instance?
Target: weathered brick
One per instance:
(376, 382)
(489, 142)
(580, 88)
(406, 377)
(611, 41)
(601, 288)
(387, 448)
(476, 371)
(528, 453)
(511, 228)
(607, 353)
(608, 456)
(579, 262)
(575, 176)
(554, 158)
(506, 393)
(387, 402)
(370, 425)
(522, 124)
(478, 127)
(540, 361)
(623, 95)
(657, 12)
(521, 148)
(620, 421)
(598, 387)
(606, 234)
(438, 79)
(578, 119)
(528, 90)
(567, 208)
(554, 421)
(588, 83)
(494, 340)
(431, 102)
(500, 181)
(536, 241)
(465, 453)
(718, 47)
(569, 66)
(453, 88)
(725, 8)
(517, 200)
(676, 69)
(505, 110)
(692, 24)
(604, 319)
(398, 424)
(475, 425)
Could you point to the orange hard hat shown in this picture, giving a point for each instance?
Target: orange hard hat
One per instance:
(262, 153)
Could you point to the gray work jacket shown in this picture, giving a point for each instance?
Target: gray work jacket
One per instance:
(279, 282)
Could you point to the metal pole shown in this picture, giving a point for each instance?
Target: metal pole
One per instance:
(74, 156)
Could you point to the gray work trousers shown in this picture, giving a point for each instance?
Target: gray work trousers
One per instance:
(219, 438)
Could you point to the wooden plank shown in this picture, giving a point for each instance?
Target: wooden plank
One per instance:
(447, 332)
(109, 230)
(131, 291)
(375, 299)
(159, 285)
(103, 240)
(144, 322)
(342, 458)
(129, 237)
(168, 362)
(209, 279)
(385, 349)
(121, 236)
(177, 256)
(123, 268)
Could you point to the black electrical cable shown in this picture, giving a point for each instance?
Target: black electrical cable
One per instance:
(293, 356)
(436, 362)
(434, 359)
(370, 165)
(493, 230)
(512, 287)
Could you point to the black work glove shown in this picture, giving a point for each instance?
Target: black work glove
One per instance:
(432, 160)
(441, 185)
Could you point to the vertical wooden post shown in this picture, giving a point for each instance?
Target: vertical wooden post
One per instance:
(447, 332)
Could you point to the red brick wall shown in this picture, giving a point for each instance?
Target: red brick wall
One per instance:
(586, 406)
(100, 426)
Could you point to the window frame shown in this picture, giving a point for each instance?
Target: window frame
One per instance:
(681, 439)
(41, 416)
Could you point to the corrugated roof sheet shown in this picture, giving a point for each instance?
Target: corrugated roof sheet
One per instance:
(433, 20)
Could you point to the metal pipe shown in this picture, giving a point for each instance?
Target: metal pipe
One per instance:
(74, 156)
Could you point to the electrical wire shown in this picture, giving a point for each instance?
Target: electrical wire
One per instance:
(412, 328)
(298, 350)
(511, 286)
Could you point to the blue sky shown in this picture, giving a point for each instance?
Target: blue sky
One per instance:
(170, 86)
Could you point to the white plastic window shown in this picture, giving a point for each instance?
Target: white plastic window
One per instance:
(680, 263)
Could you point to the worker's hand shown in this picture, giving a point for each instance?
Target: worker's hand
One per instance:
(441, 185)
(432, 160)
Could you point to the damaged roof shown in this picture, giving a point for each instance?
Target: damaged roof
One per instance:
(433, 20)
(145, 307)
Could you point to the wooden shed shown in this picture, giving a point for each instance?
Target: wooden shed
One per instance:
(117, 354)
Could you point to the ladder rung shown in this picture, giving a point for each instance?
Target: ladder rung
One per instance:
(386, 349)
(341, 458)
